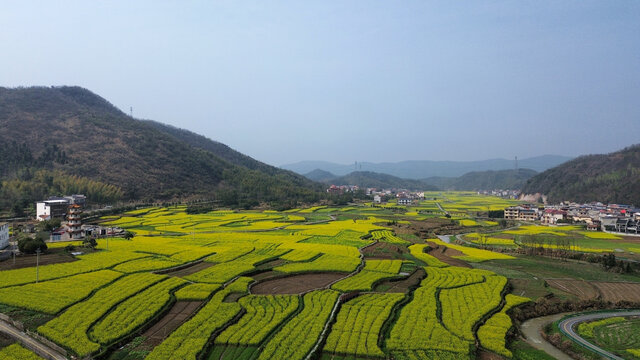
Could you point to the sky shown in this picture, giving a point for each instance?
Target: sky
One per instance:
(345, 81)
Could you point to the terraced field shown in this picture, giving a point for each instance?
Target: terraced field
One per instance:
(269, 285)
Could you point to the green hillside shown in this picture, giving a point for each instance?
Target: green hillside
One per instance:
(609, 178)
(484, 180)
(71, 131)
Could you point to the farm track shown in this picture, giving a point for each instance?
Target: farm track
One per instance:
(180, 311)
(31, 343)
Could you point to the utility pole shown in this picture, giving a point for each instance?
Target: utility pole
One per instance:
(516, 163)
(131, 111)
(37, 264)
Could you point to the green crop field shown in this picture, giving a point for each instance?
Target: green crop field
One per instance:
(288, 285)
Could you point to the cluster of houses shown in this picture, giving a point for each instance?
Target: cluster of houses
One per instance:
(402, 197)
(597, 216)
(341, 189)
(67, 208)
(505, 194)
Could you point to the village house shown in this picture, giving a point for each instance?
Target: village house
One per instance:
(552, 216)
(4, 235)
(520, 213)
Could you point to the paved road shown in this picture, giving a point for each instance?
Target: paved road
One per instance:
(31, 343)
(567, 326)
(531, 330)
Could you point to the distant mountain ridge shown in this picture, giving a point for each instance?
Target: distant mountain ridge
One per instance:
(421, 169)
(476, 180)
(608, 178)
(72, 131)
(368, 179)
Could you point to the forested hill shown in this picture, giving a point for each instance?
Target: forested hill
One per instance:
(609, 178)
(69, 131)
(484, 180)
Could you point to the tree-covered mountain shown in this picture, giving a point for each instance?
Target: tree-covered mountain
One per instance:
(608, 178)
(367, 179)
(69, 131)
(320, 175)
(484, 180)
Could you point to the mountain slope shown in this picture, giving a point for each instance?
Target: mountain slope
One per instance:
(421, 169)
(365, 179)
(226, 153)
(609, 178)
(75, 132)
(484, 180)
(320, 175)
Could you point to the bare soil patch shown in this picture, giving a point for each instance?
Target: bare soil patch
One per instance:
(487, 355)
(402, 286)
(295, 284)
(445, 254)
(619, 291)
(582, 289)
(190, 269)
(24, 261)
(382, 250)
(180, 312)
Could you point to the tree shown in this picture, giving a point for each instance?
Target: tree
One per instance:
(129, 235)
(27, 245)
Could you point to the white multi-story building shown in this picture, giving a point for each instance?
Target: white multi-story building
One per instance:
(4, 235)
(50, 209)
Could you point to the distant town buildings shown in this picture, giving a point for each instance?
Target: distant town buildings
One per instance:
(596, 216)
(4, 235)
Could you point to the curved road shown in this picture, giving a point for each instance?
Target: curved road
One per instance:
(39, 348)
(568, 325)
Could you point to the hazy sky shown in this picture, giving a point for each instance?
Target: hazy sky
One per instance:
(284, 81)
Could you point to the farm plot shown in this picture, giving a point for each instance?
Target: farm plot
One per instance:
(618, 334)
(373, 272)
(52, 296)
(296, 284)
(17, 352)
(134, 312)
(70, 328)
(492, 334)
(263, 315)
(358, 325)
(190, 338)
(419, 327)
(287, 343)
(582, 289)
(618, 291)
(178, 313)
